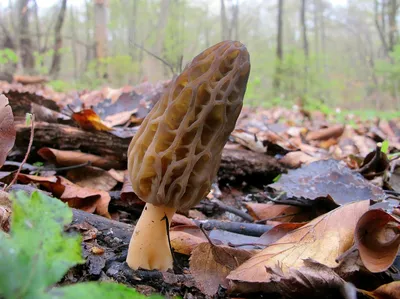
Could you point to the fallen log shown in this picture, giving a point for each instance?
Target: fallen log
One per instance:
(236, 165)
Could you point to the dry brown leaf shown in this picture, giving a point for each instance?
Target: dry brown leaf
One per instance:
(312, 280)
(118, 175)
(278, 232)
(296, 159)
(71, 158)
(248, 140)
(210, 264)
(278, 212)
(377, 237)
(86, 199)
(326, 133)
(179, 219)
(7, 130)
(323, 240)
(92, 177)
(386, 291)
(183, 242)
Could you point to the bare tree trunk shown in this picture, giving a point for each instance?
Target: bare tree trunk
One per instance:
(305, 41)
(392, 24)
(279, 48)
(154, 68)
(55, 65)
(381, 27)
(73, 43)
(25, 43)
(100, 18)
(224, 22)
(132, 29)
(316, 33)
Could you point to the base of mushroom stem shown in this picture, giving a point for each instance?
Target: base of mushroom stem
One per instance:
(149, 248)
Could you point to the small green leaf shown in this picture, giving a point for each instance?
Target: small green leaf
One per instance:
(277, 178)
(98, 291)
(385, 146)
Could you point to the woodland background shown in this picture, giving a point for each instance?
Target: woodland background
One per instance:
(316, 53)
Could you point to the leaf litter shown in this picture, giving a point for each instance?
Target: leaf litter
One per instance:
(320, 231)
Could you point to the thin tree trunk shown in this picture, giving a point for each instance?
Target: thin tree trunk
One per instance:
(73, 43)
(55, 65)
(316, 33)
(224, 22)
(305, 41)
(25, 43)
(392, 24)
(100, 18)
(279, 48)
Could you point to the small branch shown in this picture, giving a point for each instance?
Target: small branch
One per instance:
(205, 234)
(249, 229)
(156, 57)
(26, 155)
(232, 210)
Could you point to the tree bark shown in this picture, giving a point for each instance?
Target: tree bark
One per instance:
(100, 18)
(279, 48)
(25, 43)
(392, 24)
(55, 65)
(305, 41)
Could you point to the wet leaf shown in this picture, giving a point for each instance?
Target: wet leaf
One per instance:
(210, 264)
(323, 240)
(88, 120)
(7, 130)
(377, 238)
(327, 177)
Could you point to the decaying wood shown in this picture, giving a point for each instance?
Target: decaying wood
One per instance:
(24, 79)
(236, 164)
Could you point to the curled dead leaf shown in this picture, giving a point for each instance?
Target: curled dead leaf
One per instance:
(386, 291)
(377, 238)
(323, 240)
(88, 120)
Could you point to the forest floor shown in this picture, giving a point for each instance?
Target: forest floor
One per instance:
(302, 206)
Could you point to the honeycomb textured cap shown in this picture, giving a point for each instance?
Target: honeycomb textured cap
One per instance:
(175, 155)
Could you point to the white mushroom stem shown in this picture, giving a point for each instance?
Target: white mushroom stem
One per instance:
(149, 247)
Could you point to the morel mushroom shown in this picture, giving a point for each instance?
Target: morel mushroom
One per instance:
(175, 155)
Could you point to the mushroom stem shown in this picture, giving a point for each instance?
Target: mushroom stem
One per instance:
(149, 248)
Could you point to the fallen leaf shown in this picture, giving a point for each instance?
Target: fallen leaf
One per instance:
(88, 120)
(279, 212)
(86, 199)
(183, 242)
(7, 130)
(326, 133)
(312, 280)
(210, 264)
(248, 140)
(72, 158)
(323, 240)
(296, 159)
(278, 232)
(386, 291)
(92, 177)
(327, 177)
(377, 237)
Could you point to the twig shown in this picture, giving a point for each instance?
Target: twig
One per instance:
(155, 56)
(249, 229)
(205, 234)
(232, 210)
(26, 155)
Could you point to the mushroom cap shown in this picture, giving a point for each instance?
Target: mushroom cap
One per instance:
(175, 155)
